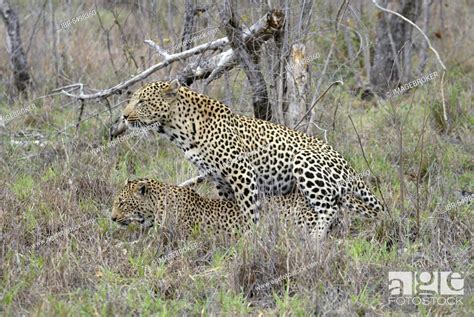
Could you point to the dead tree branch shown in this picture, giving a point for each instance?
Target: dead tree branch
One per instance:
(212, 68)
(169, 59)
(249, 59)
(255, 35)
(339, 82)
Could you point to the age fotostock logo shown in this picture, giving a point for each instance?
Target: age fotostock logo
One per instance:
(426, 287)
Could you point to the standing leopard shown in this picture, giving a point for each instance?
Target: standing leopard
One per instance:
(247, 157)
(148, 201)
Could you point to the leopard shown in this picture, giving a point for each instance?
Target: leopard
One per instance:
(248, 158)
(148, 202)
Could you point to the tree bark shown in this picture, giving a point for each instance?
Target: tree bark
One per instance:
(297, 78)
(189, 12)
(18, 60)
(393, 34)
(249, 60)
(277, 66)
(213, 67)
(424, 44)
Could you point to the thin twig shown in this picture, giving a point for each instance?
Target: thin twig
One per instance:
(418, 176)
(430, 47)
(339, 82)
(445, 114)
(368, 165)
(339, 16)
(416, 26)
(107, 38)
(66, 128)
(81, 111)
(319, 128)
(400, 168)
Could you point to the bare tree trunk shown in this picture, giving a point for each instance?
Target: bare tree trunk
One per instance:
(54, 39)
(189, 12)
(278, 66)
(249, 60)
(213, 67)
(297, 77)
(365, 42)
(298, 72)
(393, 34)
(424, 44)
(18, 60)
(350, 47)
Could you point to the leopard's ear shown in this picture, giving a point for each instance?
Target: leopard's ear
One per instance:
(131, 180)
(174, 85)
(142, 188)
(171, 92)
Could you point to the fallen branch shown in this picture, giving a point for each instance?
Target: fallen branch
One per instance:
(171, 58)
(212, 68)
(249, 60)
(260, 31)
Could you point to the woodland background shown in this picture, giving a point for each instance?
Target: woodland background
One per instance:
(61, 254)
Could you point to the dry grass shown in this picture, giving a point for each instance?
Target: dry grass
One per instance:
(54, 189)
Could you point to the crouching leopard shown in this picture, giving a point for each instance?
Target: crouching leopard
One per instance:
(147, 201)
(246, 157)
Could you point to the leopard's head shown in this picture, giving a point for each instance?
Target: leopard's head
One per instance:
(152, 104)
(135, 204)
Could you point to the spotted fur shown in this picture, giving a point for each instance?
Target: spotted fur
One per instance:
(148, 201)
(247, 157)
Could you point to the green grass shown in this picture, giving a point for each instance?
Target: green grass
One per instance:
(111, 271)
(102, 269)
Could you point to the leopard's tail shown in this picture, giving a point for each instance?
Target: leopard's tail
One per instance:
(362, 201)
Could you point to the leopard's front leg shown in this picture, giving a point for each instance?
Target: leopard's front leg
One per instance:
(241, 177)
